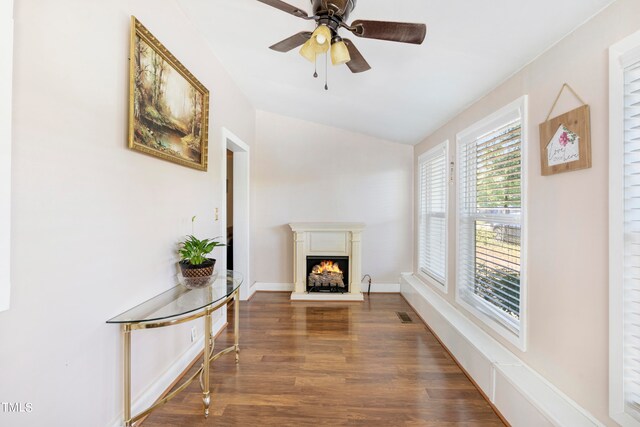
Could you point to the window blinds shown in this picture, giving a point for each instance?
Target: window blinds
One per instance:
(433, 202)
(489, 228)
(632, 239)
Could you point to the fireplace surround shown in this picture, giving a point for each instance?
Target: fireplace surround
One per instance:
(318, 241)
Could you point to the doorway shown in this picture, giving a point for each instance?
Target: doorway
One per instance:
(229, 209)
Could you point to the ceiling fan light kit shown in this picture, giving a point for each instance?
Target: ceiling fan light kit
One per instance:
(330, 16)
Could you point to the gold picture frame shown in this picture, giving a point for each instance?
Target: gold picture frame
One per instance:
(168, 106)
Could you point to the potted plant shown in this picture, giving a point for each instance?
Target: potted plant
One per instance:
(195, 267)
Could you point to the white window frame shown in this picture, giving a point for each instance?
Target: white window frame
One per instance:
(515, 109)
(6, 67)
(444, 286)
(621, 55)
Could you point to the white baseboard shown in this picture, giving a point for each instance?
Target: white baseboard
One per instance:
(289, 287)
(273, 287)
(252, 290)
(385, 288)
(162, 383)
(522, 396)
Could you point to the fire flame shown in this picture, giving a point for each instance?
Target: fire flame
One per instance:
(329, 266)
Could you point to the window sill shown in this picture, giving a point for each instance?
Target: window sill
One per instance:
(442, 287)
(516, 338)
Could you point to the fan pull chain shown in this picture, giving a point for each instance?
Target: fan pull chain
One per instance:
(326, 71)
(315, 66)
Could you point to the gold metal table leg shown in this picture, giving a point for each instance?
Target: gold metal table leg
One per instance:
(206, 393)
(207, 359)
(236, 323)
(126, 335)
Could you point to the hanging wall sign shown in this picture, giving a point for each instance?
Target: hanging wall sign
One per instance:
(565, 141)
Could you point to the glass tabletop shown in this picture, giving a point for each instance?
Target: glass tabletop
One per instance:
(181, 300)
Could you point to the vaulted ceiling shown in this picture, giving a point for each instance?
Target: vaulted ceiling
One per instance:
(471, 47)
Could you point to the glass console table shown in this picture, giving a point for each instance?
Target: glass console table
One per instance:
(178, 305)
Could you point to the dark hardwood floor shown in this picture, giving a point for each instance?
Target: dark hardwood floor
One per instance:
(331, 364)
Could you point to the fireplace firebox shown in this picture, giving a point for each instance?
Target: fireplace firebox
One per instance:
(328, 274)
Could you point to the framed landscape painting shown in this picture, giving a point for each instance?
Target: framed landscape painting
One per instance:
(168, 106)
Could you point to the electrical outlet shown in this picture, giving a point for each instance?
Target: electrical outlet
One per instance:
(194, 334)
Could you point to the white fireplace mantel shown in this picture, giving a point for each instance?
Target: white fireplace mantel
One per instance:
(326, 239)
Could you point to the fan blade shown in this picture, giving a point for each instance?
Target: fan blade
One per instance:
(286, 7)
(393, 31)
(292, 42)
(357, 64)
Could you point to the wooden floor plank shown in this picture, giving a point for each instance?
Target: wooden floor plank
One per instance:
(331, 364)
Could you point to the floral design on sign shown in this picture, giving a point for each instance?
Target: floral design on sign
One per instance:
(564, 147)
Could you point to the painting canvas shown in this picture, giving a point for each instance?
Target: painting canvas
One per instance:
(169, 107)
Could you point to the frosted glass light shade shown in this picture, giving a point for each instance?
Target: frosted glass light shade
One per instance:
(308, 51)
(311, 48)
(321, 34)
(339, 53)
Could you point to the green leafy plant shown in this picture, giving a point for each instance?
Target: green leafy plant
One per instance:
(194, 251)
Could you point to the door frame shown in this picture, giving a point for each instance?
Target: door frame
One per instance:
(241, 208)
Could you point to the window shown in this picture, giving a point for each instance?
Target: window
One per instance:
(432, 238)
(490, 220)
(624, 251)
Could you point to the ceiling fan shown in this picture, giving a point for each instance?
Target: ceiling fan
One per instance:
(330, 16)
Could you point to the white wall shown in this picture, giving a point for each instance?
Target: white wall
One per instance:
(567, 213)
(309, 172)
(94, 223)
(6, 69)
